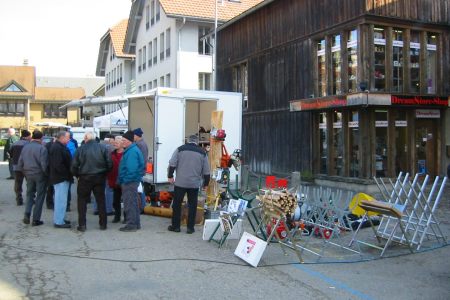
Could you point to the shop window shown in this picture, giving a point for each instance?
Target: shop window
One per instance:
(414, 62)
(379, 40)
(240, 82)
(336, 64)
(323, 143)
(431, 63)
(381, 133)
(401, 142)
(397, 60)
(338, 144)
(352, 61)
(354, 139)
(321, 65)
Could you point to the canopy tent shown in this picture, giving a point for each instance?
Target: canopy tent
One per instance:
(117, 119)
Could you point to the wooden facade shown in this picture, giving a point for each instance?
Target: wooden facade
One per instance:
(278, 41)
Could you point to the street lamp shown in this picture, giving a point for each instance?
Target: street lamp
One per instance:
(215, 44)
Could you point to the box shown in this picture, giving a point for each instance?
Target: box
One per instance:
(199, 217)
(210, 226)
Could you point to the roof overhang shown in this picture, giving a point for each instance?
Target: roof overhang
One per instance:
(96, 101)
(244, 14)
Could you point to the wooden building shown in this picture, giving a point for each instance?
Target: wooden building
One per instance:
(341, 88)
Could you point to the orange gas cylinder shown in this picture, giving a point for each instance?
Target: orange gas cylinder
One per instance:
(149, 168)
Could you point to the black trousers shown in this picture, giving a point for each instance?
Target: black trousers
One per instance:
(117, 197)
(192, 195)
(96, 185)
(49, 198)
(18, 183)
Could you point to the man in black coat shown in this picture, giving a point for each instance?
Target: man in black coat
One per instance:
(60, 177)
(15, 151)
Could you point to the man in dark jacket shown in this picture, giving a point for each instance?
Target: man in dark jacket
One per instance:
(33, 162)
(131, 170)
(50, 189)
(15, 151)
(190, 163)
(90, 164)
(12, 138)
(60, 177)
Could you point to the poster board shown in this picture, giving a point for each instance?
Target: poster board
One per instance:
(250, 249)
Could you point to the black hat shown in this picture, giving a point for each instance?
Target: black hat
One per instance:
(129, 135)
(37, 135)
(138, 132)
(25, 133)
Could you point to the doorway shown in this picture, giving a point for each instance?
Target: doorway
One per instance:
(426, 146)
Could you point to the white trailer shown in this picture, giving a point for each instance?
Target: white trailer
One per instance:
(168, 116)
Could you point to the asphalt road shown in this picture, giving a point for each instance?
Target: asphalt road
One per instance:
(47, 263)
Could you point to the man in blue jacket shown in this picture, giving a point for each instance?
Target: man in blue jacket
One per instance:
(131, 170)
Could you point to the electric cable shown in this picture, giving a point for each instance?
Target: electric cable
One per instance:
(217, 261)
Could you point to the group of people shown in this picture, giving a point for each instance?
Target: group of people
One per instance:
(120, 164)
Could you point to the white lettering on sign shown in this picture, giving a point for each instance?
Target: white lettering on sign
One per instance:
(337, 125)
(414, 45)
(381, 123)
(401, 123)
(379, 41)
(397, 43)
(323, 125)
(428, 113)
(431, 47)
(353, 124)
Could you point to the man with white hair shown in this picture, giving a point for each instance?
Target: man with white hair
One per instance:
(90, 164)
(12, 138)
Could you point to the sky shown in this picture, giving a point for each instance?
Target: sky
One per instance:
(59, 37)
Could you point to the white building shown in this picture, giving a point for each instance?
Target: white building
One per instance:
(167, 37)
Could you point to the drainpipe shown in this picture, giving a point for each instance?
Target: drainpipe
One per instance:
(179, 49)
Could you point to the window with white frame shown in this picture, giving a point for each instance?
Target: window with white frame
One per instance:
(161, 81)
(203, 42)
(150, 85)
(168, 80)
(152, 8)
(167, 42)
(155, 51)
(150, 55)
(158, 10)
(144, 87)
(204, 81)
(144, 58)
(147, 17)
(161, 46)
(140, 60)
(155, 83)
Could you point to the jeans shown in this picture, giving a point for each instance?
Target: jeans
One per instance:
(36, 185)
(192, 194)
(60, 202)
(86, 185)
(108, 200)
(130, 204)
(10, 167)
(18, 182)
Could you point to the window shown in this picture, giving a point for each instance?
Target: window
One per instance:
(155, 51)
(144, 58)
(338, 144)
(240, 82)
(144, 87)
(352, 61)
(140, 60)
(203, 42)
(322, 75)
(161, 81)
(204, 81)
(157, 11)
(152, 8)
(140, 89)
(161, 46)
(150, 85)
(168, 80)
(155, 84)
(379, 40)
(397, 63)
(150, 55)
(401, 142)
(431, 63)
(147, 17)
(323, 143)
(167, 42)
(414, 62)
(336, 64)
(114, 77)
(53, 111)
(13, 88)
(354, 139)
(381, 142)
(120, 72)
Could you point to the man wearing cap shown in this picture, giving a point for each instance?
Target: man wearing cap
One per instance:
(190, 163)
(90, 164)
(15, 151)
(33, 162)
(131, 170)
(142, 145)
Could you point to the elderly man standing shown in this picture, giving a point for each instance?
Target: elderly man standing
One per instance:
(190, 163)
(90, 164)
(33, 162)
(142, 145)
(15, 151)
(60, 177)
(12, 138)
(131, 170)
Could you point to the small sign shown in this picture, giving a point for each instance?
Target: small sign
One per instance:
(250, 249)
(397, 43)
(431, 47)
(381, 123)
(321, 52)
(353, 124)
(379, 41)
(323, 125)
(401, 123)
(414, 45)
(337, 125)
(428, 113)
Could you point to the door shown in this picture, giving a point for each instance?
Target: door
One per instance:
(425, 142)
(169, 134)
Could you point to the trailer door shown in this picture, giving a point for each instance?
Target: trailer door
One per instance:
(169, 133)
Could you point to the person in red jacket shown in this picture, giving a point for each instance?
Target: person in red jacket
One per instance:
(116, 156)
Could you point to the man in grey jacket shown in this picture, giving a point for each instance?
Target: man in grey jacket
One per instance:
(190, 163)
(33, 162)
